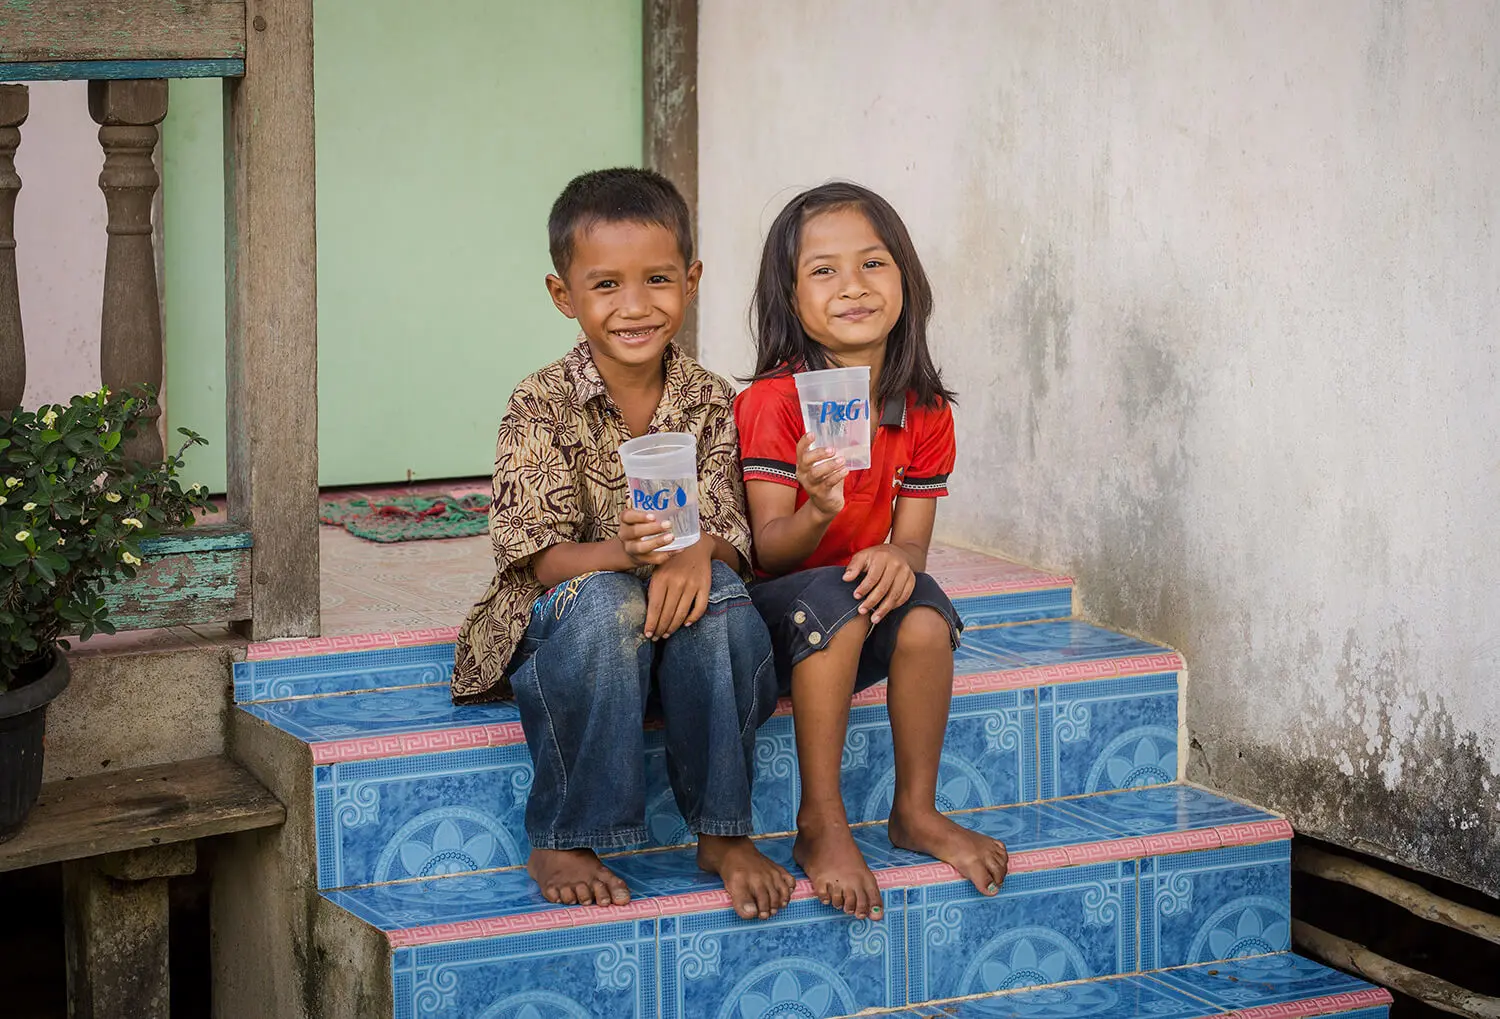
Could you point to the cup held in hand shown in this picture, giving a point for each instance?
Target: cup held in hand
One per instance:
(836, 410)
(661, 471)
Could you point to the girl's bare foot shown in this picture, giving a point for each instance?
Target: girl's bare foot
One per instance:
(575, 877)
(979, 858)
(838, 871)
(757, 886)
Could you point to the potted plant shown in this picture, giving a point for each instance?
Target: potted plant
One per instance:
(73, 512)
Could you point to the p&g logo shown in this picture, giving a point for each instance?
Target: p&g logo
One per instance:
(852, 411)
(646, 501)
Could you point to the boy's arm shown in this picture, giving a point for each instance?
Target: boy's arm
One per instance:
(786, 535)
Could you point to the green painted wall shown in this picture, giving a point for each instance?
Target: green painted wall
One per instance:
(444, 132)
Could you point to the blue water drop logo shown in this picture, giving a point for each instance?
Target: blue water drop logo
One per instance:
(681, 497)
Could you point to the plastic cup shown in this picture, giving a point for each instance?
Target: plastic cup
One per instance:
(662, 472)
(836, 410)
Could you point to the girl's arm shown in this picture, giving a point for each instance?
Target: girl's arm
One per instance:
(911, 530)
(786, 536)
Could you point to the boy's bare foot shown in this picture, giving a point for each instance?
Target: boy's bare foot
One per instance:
(575, 877)
(838, 871)
(979, 858)
(757, 886)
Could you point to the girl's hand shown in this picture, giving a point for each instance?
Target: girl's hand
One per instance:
(642, 535)
(889, 579)
(677, 594)
(821, 473)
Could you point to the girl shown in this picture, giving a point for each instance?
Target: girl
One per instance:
(841, 552)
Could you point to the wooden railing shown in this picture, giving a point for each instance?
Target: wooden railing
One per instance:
(260, 571)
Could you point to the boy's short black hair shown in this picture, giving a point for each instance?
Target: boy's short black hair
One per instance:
(620, 195)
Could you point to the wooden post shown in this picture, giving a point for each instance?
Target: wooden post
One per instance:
(116, 931)
(14, 105)
(670, 57)
(271, 261)
(130, 343)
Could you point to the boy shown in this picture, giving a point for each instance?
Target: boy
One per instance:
(586, 618)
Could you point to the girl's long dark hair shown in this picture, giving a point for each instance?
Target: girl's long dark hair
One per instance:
(781, 344)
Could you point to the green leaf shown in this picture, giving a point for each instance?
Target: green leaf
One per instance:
(109, 441)
(44, 570)
(50, 435)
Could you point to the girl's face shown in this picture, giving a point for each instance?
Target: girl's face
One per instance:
(848, 285)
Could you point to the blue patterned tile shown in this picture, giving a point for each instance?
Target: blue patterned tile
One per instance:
(1161, 810)
(1216, 904)
(428, 664)
(1044, 927)
(989, 756)
(606, 970)
(421, 816)
(408, 904)
(1014, 606)
(1107, 734)
(1265, 980)
(1057, 642)
(1115, 998)
(377, 713)
(806, 961)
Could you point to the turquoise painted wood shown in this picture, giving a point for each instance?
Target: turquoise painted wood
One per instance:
(102, 70)
(197, 576)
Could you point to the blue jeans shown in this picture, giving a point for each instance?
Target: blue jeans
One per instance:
(584, 678)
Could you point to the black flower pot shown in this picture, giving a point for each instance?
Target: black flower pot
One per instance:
(23, 721)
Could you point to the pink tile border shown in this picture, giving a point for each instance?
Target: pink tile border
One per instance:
(293, 648)
(545, 920)
(1251, 832)
(1367, 998)
(366, 748)
(1166, 843)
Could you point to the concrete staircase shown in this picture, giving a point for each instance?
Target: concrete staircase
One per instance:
(1131, 893)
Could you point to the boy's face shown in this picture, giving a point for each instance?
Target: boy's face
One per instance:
(628, 288)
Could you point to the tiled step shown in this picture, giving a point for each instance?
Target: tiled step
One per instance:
(1277, 986)
(1107, 885)
(408, 784)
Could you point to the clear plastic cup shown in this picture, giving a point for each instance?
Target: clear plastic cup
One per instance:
(836, 410)
(662, 473)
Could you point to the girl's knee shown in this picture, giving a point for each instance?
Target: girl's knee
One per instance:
(924, 629)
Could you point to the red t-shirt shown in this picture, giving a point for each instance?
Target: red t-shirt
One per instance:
(911, 456)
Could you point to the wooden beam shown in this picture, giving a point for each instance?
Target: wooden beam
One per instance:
(271, 264)
(110, 70)
(15, 103)
(139, 808)
(201, 575)
(1355, 958)
(68, 30)
(670, 95)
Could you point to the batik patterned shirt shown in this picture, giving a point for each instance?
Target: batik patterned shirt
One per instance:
(558, 478)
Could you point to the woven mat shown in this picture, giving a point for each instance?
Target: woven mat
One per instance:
(408, 517)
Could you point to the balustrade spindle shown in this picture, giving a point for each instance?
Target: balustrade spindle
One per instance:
(15, 103)
(130, 343)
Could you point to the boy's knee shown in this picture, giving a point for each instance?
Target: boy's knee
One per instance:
(924, 629)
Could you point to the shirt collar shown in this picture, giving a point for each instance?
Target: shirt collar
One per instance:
(893, 414)
(588, 384)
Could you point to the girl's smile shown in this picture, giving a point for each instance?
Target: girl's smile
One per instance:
(848, 286)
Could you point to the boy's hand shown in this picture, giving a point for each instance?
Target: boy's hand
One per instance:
(889, 579)
(821, 473)
(642, 535)
(677, 594)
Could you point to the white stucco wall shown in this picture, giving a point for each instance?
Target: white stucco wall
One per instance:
(1219, 286)
(60, 242)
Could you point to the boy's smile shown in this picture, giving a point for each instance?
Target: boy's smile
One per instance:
(628, 288)
(848, 285)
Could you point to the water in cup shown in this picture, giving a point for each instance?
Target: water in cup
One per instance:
(836, 410)
(661, 471)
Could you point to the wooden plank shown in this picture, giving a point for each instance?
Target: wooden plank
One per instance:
(271, 266)
(140, 807)
(197, 576)
(108, 70)
(58, 30)
(670, 96)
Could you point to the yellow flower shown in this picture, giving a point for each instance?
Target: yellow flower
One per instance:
(129, 559)
(61, 542)
(12, 482)
(196, 487)
(50, 418)
(29, 507)
(111, 496)
(132, 522)
(2, 500)
(22, 535)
